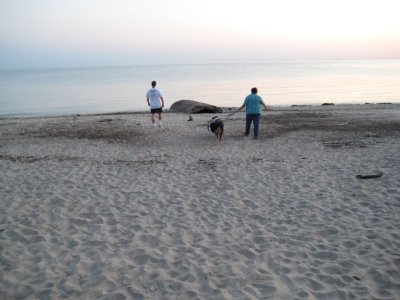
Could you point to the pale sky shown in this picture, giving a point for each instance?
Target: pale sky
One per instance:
(73, 33)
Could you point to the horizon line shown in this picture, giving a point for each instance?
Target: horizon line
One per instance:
(55, 68)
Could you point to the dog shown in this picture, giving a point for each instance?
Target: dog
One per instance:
(217, 127)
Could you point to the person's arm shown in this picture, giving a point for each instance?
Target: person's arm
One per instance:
(148, 101)
(243, 105)
(263, 104)
(162, 101)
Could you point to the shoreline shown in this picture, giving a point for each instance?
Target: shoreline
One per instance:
(225, 110)
(106, 206)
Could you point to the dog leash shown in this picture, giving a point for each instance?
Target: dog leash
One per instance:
(227, 116)
(216, 119)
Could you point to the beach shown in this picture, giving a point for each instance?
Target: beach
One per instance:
(107, 207)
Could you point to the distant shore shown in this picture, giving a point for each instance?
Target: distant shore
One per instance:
(105, 206)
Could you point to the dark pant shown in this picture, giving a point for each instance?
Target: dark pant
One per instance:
(255, 118)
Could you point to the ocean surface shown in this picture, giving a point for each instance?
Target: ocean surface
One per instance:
(116, 89)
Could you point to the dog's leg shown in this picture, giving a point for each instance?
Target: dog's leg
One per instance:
(217, 132)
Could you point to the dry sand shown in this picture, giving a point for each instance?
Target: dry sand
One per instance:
(107, 207)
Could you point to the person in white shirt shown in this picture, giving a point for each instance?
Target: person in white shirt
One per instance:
(156, 102)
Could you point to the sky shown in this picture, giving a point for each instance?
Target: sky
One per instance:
(81, 33)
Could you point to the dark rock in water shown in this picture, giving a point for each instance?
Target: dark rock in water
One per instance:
(190, 118)
(327, 104)
(194, 107)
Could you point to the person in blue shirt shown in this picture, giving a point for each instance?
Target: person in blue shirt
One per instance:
(253, 104)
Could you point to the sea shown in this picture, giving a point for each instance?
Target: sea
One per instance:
(51, 92)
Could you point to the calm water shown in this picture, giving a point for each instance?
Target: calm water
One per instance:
(110, 89)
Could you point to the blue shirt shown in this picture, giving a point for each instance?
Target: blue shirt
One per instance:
(253, 104)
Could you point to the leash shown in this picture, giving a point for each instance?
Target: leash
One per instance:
(216, 119)
(227, 116)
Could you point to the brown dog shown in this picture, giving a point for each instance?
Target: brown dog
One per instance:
(217, 127)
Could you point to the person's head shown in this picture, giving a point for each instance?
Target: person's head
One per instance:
(153, 84)
(254, 90)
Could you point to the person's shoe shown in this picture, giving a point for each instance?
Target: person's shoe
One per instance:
(255, 138)
(246, 134)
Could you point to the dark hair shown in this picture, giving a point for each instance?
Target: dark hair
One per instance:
(153, 83)
(254, 90)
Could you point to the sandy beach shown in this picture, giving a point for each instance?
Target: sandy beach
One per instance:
(108, 207)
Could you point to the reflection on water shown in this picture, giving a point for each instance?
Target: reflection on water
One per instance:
(91, 90)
